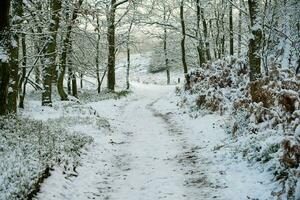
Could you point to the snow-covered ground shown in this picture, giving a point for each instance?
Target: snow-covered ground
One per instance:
(153, 150)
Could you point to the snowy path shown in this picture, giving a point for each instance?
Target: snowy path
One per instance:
(153, 151)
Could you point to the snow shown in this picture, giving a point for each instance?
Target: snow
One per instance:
(229, 177)
(152, 149)
(28, 148)
(297, 131)
(297, 192)
(3, 55)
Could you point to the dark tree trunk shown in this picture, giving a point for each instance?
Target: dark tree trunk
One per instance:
(111, 79)
(111, 39)
(13, 85)
(255, 41)
(67, 48)
(165, 44)
(74, 86)
(49, 65)
(128, 55)
(22, 87)
(73, 81)
(201, 53)
(102, 79)
(128, 68)
(73, 73)
(217, 42)
(166, 56)
(240, 30)
(81, 81)
(98, 57)
(231, 30)
(183, 51)
(37, 68)
(14, 64)
(98, 69)
(223, 35)
(69, 86)
(4, 65)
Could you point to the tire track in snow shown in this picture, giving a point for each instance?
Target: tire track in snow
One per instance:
(195, 177)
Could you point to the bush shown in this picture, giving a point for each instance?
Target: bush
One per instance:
(264, 115)
(29, 149)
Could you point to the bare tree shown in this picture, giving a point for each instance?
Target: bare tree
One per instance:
(111, 39)
(66, 49)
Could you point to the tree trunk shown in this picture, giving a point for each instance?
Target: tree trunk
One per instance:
(223, 38)
(37, 68)
(81, 81)
(69, 86)
(4, 63)
(254, 43)
(22, 87)
(165, 43)
(60, 81)
(38, 51)
(49, 65)
(98, 57)
(72, 75)
(111, 79)
(128, 68)
(231, 30)
(67, 48)
(72, 72)
(217, 40)
(98, 71)
(240, 30)
(13, 87)
(74, 86)
(166, 56)
(102, 79)
(200, 48)
(183, 51)
(205, 31)
(111, 39)
(128, 55)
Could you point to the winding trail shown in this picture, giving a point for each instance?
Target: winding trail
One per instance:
(151, 151)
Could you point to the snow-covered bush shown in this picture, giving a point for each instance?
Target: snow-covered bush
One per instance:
(29, 149)
(215, 85)
(264, 115)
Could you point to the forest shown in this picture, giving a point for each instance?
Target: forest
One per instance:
(150, 99)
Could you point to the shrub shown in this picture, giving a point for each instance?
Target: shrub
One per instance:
(29, 149)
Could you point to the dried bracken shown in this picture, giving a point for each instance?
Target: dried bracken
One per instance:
(266, 108)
